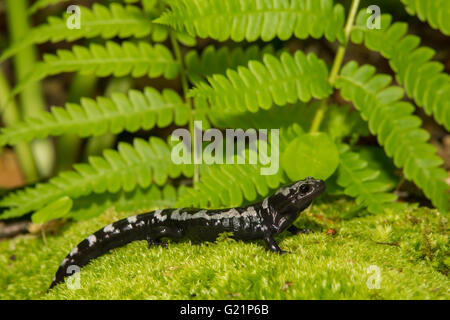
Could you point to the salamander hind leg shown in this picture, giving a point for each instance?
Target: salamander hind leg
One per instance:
(153, 239)
(294, 230)
(154, 242)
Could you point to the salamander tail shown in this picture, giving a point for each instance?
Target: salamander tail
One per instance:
(112, 236)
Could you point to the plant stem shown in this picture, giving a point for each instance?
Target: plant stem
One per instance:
(341, 51)
(318, 117)
(32, 101)
(338, 59)
(10, 116)
(185, 86)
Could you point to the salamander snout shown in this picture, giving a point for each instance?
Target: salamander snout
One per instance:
(309, 188)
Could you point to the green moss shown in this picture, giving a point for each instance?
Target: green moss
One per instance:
(410, 249)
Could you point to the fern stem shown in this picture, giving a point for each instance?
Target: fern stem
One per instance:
(338, 60)
(341, 51)
(185, 86)
(32, 101)
(10, 116)
(318, 117)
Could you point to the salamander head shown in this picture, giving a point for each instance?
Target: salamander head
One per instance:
(301, 193)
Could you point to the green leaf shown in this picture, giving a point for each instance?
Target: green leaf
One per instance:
(313, 154)
(228, 185)
(140, 164)
(362, 181)
(424, 80)
(274, 81)
(255, 19)
(436, 13)
(116, 20)
(377, 160)
(138, 110)
(397, 128)
(39, 4)
(128, 58)
(56, 209)
(217, 61)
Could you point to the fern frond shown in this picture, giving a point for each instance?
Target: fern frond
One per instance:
(397, 129)
(107, 22)
(40, 4)
(274, 81)
(423, 79)
(128, 58)
(140, 110)
(254, 19)
(228, 185)
(217, 61)
(140, 199)
(362, 182)
(141, 164)
(436, 13)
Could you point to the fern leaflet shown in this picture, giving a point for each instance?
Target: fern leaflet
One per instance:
(40, 4)
(235, 184)
(217, 61)
(423, 79)
(140, 164)
(397, 129)
(140, 110)
(107, 22)
(436, 13)
(362, 182)
(275, 81)
(128, 58)
(253, 19)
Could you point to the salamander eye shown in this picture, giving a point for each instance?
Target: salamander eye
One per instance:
(304, 188)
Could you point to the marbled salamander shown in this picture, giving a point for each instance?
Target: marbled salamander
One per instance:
(258, 221)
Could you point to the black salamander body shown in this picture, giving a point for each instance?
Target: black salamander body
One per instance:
(263, 220)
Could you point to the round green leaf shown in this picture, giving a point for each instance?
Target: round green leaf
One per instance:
(312, 154)
(56, 209)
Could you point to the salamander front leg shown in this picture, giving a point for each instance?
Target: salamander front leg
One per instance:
(273, 246)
